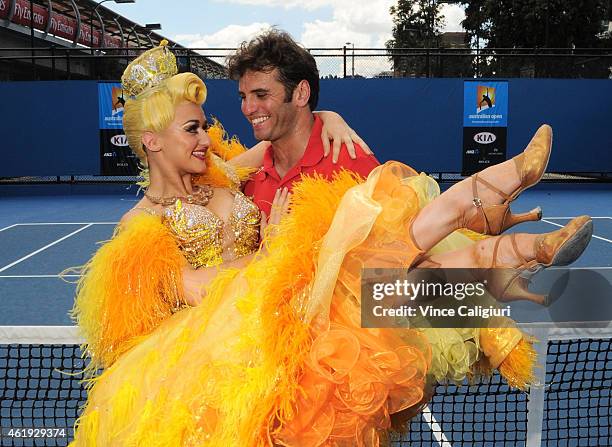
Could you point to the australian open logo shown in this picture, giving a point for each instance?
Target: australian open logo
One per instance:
(485, 98)
(117, 100)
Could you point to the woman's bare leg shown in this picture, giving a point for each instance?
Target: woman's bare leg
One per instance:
(446, 213)
(518, 251)
(480, 254)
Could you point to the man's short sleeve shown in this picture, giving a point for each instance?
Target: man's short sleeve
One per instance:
(362, 165)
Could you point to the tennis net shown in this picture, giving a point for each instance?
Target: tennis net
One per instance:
(41, 395)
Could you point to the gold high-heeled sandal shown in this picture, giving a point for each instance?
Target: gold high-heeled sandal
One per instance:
(558, 248)
(531, 165)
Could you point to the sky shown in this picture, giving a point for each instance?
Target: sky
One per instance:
(313, 23)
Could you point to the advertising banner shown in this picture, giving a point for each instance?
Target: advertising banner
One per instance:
(61, 25)
(116, 158)
(485, 124)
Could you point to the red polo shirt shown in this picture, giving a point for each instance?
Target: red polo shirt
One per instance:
(263, 185)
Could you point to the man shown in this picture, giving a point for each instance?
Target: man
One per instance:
(279, 87)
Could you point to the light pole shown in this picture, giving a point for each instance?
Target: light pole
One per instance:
(352, 59)
(95, 10)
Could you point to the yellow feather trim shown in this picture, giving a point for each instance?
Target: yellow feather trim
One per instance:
(223, 148)
(518, 366)
(131, 285)
(222, 144)
(122, 405)
(88, 425)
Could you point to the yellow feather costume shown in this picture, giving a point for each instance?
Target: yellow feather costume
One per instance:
(131, 285)
(275, 353)
(134, 281)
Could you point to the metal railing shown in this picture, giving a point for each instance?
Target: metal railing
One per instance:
(63, 63)
(53, 63)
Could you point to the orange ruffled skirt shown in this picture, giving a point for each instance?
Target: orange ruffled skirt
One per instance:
(275, 354)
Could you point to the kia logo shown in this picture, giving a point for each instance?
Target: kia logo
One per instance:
(119, 140)
(485, 138)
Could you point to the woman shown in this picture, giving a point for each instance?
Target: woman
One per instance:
(272, 354)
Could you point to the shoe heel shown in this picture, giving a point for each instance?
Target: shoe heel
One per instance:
(530, 165)
(515, 219)
(517, 290)
(512, 285)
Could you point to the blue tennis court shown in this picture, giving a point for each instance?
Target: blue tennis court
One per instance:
(44, 234)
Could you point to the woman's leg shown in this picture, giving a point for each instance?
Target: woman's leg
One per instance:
(480, 254)
(481, 202)
(447, 212)
(506, 257)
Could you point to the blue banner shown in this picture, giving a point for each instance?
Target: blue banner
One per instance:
(116, 158)
(110, 105)
(485, 104)
(485, 124)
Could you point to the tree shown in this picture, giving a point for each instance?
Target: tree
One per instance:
(416, 24)
(518, 24)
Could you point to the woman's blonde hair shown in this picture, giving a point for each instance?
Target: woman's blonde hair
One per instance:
(153, 109)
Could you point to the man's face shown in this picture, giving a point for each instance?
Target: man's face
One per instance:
(263, 104)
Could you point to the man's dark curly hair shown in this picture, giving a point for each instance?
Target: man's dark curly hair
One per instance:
(276, 49)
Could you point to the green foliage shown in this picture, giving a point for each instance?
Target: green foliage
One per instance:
(536, 23)
(549, 25)
(506, 27)
(416, 24)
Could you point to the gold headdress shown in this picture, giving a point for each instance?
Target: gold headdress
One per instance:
(149, 69)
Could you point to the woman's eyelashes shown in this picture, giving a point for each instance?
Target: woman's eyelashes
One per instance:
(194, 127)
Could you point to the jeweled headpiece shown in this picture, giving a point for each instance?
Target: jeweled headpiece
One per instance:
(149, 69)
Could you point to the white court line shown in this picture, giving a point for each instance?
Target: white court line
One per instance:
(10, 226)
(571, 217)
(568, 268)
(78, 276)
(44, 276)
(44, 248)
(65, 223)
(561, 226)
(435, 427)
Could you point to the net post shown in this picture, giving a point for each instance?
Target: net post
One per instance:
(535, 405)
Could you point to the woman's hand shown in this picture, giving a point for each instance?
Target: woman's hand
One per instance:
(280, 207)
(336, 130)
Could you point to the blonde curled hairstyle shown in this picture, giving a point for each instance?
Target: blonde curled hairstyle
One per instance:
(153, 91)
(153, 109)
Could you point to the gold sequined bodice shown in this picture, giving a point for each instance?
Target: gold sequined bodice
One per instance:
(206, 240)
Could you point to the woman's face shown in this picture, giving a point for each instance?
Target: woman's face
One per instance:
(184, 143)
